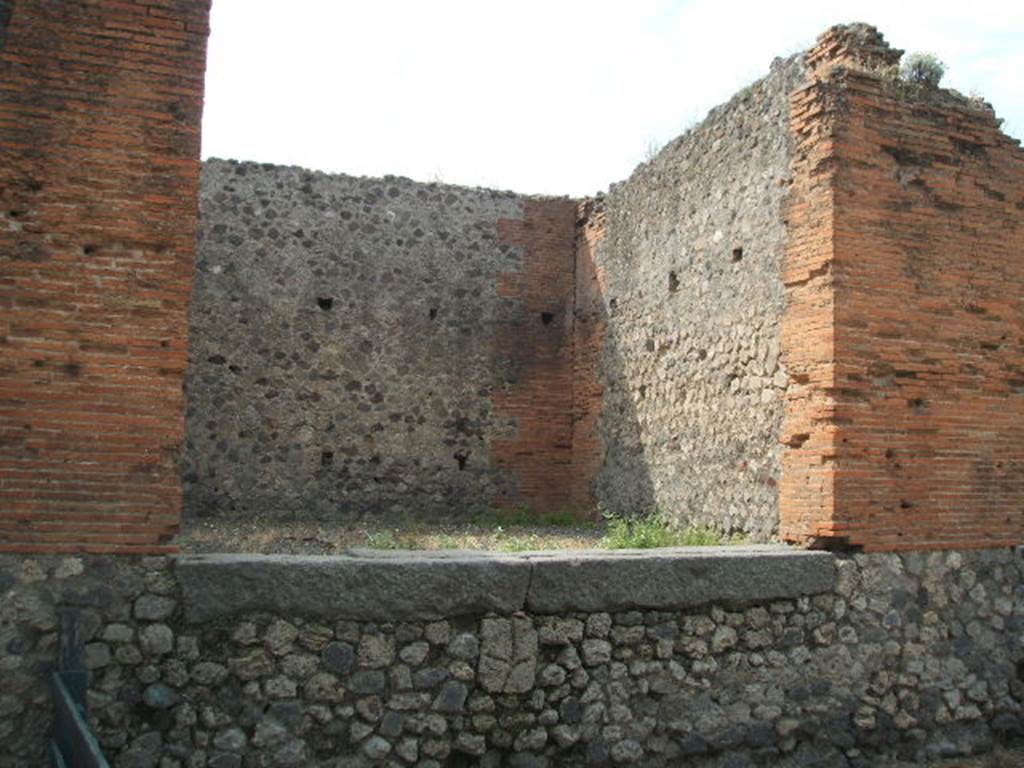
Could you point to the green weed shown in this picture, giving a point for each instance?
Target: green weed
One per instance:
(382, 540)
(653, 531)
(519, 543)
(922, 69)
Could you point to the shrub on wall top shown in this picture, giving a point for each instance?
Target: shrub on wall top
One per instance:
(922, 69)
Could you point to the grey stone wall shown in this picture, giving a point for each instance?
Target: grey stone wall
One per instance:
(342, 345)
(693, 387)
(910, 656)
(343, 335)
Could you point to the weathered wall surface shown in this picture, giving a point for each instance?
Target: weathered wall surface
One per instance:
(921, 435)
(99, 124)
(913, 655)
(534, 345)
(589, 329)
(367, 346)
(691, 261)
(376, 345)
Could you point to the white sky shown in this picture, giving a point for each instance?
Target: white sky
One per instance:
(538, 96)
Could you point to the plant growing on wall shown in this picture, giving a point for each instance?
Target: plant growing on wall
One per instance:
(922, 69)
(653, 530)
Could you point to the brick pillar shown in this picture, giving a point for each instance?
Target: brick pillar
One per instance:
(535, 346)
(589, 326)
(100, 106)
(904, 330)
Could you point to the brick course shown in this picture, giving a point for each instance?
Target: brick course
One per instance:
(537, 349)
(907, 230)
(809, 432)
(100, 106)
(589, 326)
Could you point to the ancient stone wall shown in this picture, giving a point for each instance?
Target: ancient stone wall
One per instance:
(365, 346)
(908, 234)
(371, 346)
(544, 660)
(690, 264)
(99, 127)
(641, 358)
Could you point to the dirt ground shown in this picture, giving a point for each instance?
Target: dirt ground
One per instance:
(311, 538)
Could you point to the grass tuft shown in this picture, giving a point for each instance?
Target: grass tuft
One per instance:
(382, 540)
(519, 543)
(654, 530)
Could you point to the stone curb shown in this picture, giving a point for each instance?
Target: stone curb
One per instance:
(368, 588)
(673, 579)
(407, 586)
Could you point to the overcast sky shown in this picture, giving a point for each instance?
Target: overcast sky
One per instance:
(538, 96)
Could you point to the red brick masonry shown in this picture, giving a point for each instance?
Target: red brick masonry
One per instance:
(100, 107)
(536, 347)
(905, 324)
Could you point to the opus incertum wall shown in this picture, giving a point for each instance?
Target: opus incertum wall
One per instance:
(758, 656)
(730, 336)
(506, 377)
(366, 346)
(690, 252)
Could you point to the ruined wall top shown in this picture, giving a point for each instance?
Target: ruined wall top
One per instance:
(862, 49)
(858, 45)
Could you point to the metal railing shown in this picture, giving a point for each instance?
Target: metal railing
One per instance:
(73, 744)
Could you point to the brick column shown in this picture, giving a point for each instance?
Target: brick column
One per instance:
(905, 325)
(100, 106)
(535, 345)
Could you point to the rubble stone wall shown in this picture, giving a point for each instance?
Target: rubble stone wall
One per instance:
(367, 346)
(690, 258)
(811, 657)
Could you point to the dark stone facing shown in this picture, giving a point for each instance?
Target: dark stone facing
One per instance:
(342, 335)
(386, 588)
(858, 674)
(669, 579)
(416, 585)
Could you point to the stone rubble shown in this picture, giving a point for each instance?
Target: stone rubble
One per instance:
(910, 656)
